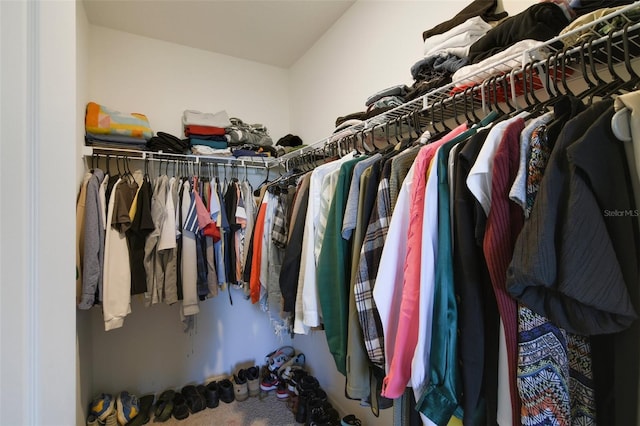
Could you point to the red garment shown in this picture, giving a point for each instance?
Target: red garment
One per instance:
(258, 231)
(399, 373)
(504, 223)
(194, 129)
(211, 230)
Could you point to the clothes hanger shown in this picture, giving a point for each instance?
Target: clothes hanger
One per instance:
(454, 101)
(469, 94)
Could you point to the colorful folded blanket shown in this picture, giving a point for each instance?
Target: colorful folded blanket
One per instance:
(101, 120)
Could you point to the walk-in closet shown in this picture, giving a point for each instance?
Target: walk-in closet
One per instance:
(455, 295)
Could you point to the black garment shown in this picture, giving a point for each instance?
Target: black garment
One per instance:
(230, 206)
(168, 143)
(141, 227)
(478, 318)
(486, 9)
(542, 21)
(179, 242)
(600, 159)
(289, 140)
(577, 266)
(292, 256)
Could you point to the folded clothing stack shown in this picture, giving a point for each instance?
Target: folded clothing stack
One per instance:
(206, 130)
(240, 133)
(107, 127)
(166, 142)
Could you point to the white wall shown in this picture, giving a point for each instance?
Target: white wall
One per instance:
(37, 130)
(131, 73)
(84, 364)
(371, 47)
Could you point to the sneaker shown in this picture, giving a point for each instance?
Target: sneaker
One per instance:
(282, 391)
(269, 383)
(112, 419)
(294, 361)
(146, 402)
(253, 380)
(92, 420)
(102, 406)
(240, 387)
(350, 420)
(127, 406)
(278, 357)
(293, 377)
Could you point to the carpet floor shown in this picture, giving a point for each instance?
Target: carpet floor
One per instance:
(263, 410)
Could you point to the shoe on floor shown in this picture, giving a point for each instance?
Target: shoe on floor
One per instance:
(112, 419)
(240, 386)
(297, 361)
(212, 394)
(278, 357)
(127, 406)
(253, 380)
(180, 407)
(195, 400)
(226, 391)
(164, 406)
(143, 416)
(282, 391)
(269, 383)
(350, 420)
(101, 406)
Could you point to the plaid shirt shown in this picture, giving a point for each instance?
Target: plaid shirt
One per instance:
(280, 230)
(370, 255)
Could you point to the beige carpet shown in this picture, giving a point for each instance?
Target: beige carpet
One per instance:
(264, 410)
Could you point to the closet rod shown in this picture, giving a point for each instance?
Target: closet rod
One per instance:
(511, 70)
(203, 161)
(257, 163)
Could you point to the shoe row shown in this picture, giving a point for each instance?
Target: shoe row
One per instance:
(128, 410)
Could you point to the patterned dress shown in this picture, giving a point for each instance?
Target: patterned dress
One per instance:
(555, 379)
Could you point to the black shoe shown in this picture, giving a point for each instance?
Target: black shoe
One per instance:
(164, 406)
(316, 413)
(180, 408)
(308, 382)
(212, 394)
(303, 399)
(195, 401)
(350, 420)
(226, 391)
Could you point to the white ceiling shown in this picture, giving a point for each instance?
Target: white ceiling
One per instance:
(270, 32)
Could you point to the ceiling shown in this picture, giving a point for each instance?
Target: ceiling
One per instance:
(270, 32)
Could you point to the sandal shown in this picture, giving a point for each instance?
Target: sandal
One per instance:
(164, 406)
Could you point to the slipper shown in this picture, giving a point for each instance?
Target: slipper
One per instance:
(164, 406)
(145, 408)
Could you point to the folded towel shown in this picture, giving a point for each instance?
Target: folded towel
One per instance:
(210, 144)
(219, 119)
(100, 120)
